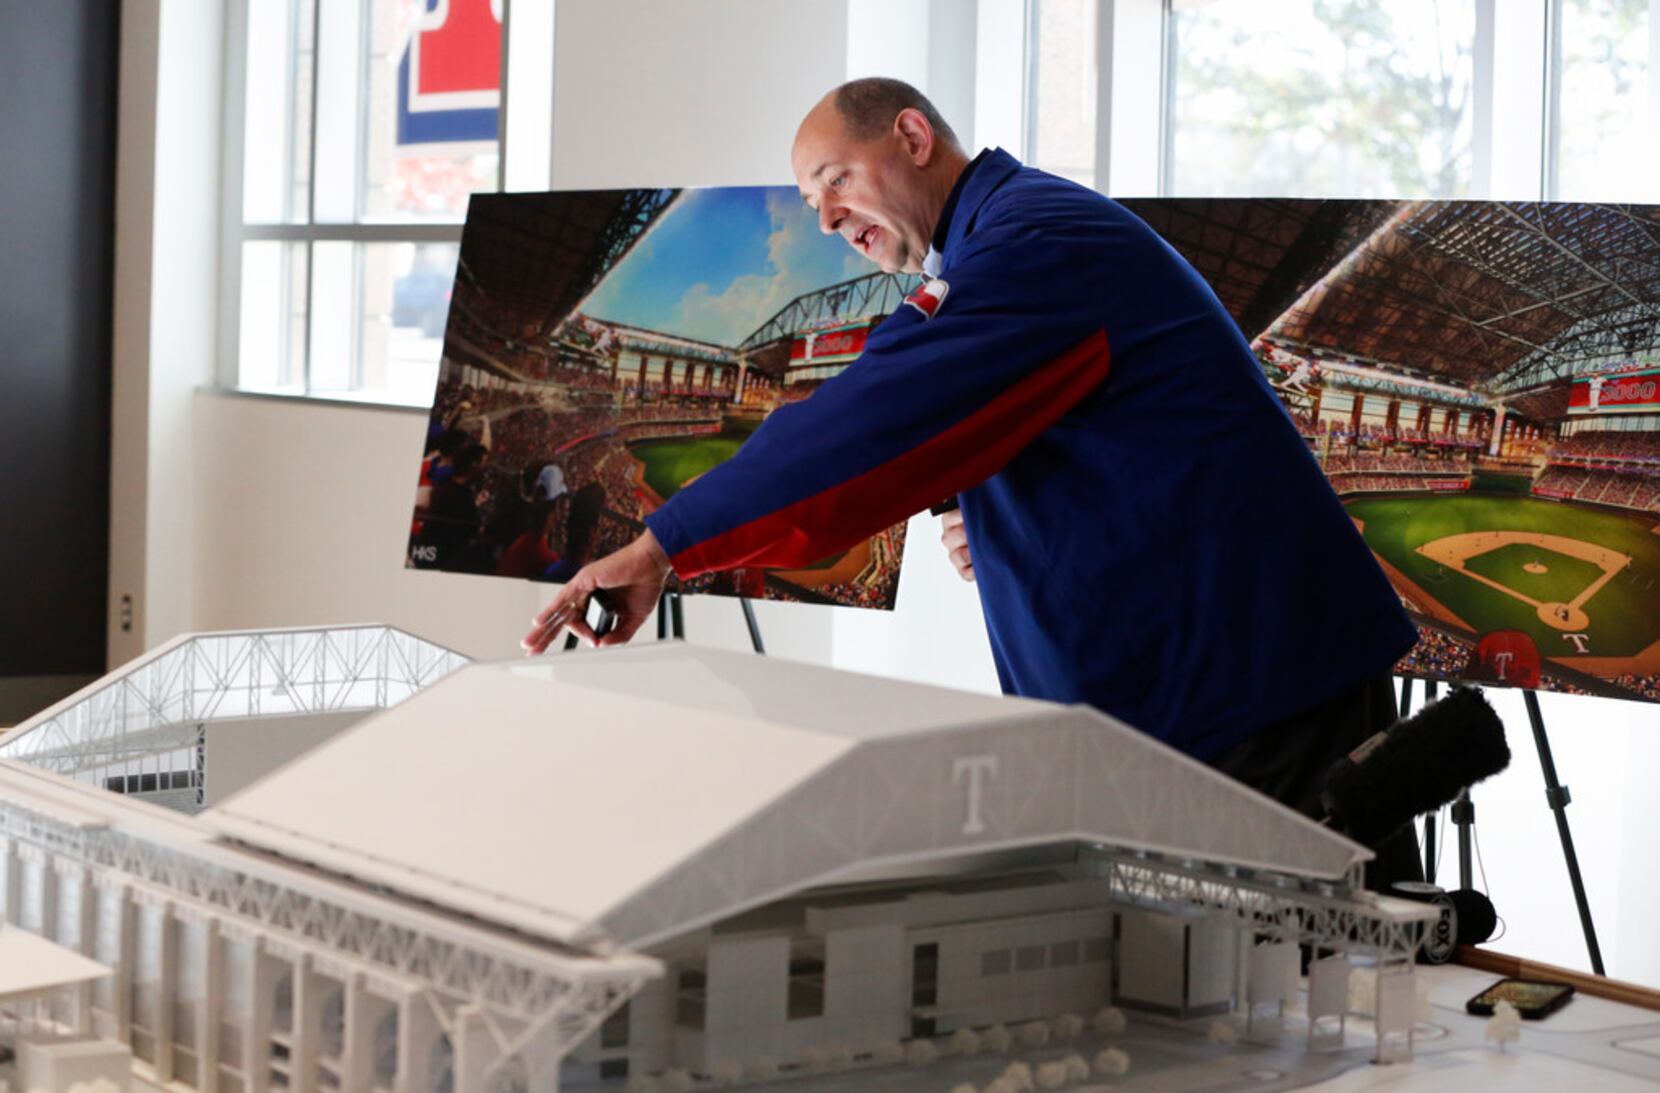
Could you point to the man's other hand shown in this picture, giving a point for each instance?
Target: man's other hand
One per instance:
(633, 580)
(955, 538)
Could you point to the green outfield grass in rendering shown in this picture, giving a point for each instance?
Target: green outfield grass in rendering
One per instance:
(1546, 568)
(672, 463)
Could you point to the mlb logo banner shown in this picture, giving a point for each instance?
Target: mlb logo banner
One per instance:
(449, 80)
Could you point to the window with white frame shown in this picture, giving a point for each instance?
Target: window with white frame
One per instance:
(1062, 87)
(1348, 98)
(1606, 107)
(363, 126)
(1320, 98)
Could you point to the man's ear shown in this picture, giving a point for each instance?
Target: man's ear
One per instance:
(915, 134)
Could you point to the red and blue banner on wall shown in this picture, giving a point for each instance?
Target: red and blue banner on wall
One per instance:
(449, 80)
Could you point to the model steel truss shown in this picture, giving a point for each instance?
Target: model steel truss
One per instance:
(144, 719)
(1336, 916)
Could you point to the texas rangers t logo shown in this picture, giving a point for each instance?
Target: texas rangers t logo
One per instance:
(928, 296)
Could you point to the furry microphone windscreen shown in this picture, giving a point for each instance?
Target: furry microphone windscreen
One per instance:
(1416, 766)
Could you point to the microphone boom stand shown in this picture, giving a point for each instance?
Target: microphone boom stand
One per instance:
(1556, 794)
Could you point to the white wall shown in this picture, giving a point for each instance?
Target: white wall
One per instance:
(166, 248)
(711, 96)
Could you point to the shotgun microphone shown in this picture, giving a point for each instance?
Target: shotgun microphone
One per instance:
(1415, 766)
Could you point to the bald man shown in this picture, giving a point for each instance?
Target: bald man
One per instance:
(1146, 529)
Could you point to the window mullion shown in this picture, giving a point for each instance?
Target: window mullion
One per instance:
(1131, 46)
(311, 190)
(1514, 145)
(1550, 122)
(228, 365)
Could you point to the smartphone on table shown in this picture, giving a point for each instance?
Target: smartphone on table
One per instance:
(1533, 998)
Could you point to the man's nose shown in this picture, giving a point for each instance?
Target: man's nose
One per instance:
(829, 217)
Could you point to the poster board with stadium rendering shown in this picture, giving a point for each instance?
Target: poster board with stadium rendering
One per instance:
(1479, 382)
(605, 348)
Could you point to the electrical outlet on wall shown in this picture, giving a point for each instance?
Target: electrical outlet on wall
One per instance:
(126, 613)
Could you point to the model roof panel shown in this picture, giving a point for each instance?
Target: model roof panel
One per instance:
(769, 689)
(521, 801)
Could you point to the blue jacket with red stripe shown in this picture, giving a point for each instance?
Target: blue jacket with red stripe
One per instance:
(1149, 533)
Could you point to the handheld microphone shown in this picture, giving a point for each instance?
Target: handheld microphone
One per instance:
(1415, 766)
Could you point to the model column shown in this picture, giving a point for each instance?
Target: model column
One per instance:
(417, 1032)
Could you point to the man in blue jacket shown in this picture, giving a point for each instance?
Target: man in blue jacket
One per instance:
(1147, 531)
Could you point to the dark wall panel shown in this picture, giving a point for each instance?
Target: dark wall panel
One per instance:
(57, 190)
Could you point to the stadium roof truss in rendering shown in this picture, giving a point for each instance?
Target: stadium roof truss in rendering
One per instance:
(1498, 297)
(545, 264)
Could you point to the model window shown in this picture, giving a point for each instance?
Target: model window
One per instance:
(996, 962)
(925, 974)
(1063, 954)
(1028, 958)
(806, 984)
(1095, 950)
(614, 1032)
(689, 1003)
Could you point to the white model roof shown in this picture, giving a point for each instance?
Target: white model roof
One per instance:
(637, 793)
(31, 965)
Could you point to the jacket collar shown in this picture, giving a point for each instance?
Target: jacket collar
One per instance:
(990, 173)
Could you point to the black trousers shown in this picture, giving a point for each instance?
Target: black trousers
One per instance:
(1289, 760)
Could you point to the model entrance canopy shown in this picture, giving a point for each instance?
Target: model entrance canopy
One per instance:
(31, 966)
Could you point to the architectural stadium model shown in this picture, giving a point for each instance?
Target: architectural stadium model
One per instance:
(346, 859)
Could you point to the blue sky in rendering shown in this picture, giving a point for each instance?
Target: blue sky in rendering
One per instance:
(721, 262)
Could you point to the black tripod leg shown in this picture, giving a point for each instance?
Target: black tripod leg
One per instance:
(1464, 817)
(662, 616)
(1557, 794)
(754, 627)
(677, 618)
(1429, 847)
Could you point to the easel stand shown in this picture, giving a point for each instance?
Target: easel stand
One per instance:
(1464, 817)
(1557, 794)
(671, 622)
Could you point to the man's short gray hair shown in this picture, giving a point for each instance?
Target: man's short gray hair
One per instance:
(868, 107)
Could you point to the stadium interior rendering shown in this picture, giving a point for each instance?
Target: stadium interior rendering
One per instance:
(624, 416)
(1479, 382)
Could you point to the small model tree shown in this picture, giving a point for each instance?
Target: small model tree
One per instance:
(1110, 1021)
(1034, 1033)
(1505, 1026)
(1067, 1026)
(921, 1052)
(1112, 1063)
(1019, 1077)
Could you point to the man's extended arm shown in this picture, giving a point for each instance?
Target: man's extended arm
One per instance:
(933, 406)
